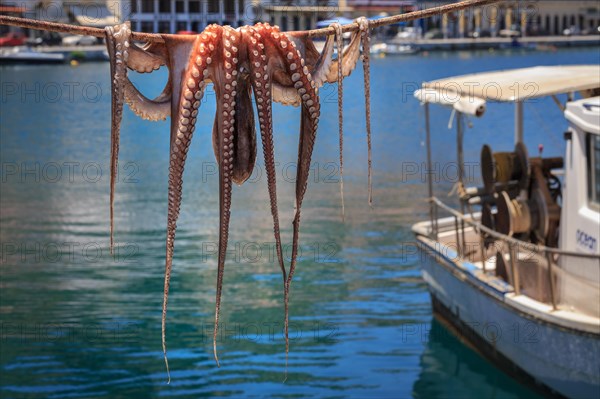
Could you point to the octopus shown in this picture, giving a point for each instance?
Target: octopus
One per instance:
(258, 60)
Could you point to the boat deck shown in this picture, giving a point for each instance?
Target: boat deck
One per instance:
(534, 296)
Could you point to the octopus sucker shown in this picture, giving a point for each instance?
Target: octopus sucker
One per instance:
(363, 24)
(340, 79)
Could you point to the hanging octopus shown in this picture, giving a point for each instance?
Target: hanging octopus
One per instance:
(255, 59)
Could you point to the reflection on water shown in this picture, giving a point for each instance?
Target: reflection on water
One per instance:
(76, 322)
(449, 369)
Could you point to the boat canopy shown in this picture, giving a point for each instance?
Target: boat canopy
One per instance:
(513, 85)
(466, 104)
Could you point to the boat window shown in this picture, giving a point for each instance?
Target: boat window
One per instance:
(593, 157)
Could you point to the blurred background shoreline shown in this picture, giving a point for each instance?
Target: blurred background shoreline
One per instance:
(543, 25)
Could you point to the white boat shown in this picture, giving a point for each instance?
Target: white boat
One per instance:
(394, 49)
(516, 271)
(26, 55)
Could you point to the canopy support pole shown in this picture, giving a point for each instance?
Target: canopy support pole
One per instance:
(429, 171)
(461, 174)
(459, 146)
(518, 122)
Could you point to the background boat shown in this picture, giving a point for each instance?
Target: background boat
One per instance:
(27, 55)
(394, 49)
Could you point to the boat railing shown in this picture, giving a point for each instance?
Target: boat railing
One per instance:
(461, 221)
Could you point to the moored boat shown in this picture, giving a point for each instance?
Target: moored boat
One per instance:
(26, 55)
(519, 278)
(394, 49)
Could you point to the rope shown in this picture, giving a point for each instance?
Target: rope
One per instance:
(158, 38)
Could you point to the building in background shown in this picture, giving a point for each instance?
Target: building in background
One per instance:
(82, 12)
(12, 11)
(170, 16)
(375, 7)
(97, 13)
(301, 14)
(544, 17)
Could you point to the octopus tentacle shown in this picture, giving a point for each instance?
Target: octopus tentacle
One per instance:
(244, 139)
(261, 83)
(340, 79)
(305, 46)
(190, 67)
(363, 24)
(244, 134)
(154, 110)
(284, 92)
(143, 61)
(117, 44)
(306, 88)
(324, 63)
(285, 95)
(158, 49)
(349, 57)
(225, 88)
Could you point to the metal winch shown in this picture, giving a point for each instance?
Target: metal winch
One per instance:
(520, 195)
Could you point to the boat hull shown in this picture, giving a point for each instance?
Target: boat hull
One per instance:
(523, 345)
(25, 55)
(30, 61)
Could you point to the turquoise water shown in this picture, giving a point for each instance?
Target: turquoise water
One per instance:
(76, 322)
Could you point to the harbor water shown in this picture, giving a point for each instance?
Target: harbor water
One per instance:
(78, 322)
